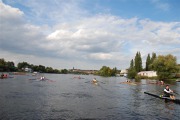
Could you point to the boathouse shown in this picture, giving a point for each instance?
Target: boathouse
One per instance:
(148, 73)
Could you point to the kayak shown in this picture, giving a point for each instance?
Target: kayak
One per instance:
(95, 83)
(177, 101)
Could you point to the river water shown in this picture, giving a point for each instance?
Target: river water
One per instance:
(67, 97)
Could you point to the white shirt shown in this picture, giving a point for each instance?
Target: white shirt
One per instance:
(167, 91)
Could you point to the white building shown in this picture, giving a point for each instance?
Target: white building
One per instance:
(123, 73)
(148, 73)
(27, 69)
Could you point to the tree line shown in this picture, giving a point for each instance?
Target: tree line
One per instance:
(9, 66)
(107, 71)
(165, 65)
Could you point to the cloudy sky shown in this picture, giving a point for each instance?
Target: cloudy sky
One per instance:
(87, 34)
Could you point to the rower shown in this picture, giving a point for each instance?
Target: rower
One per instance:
(128, 81)
(42, 78)
(5, 75)
(94, 80)
(168, 92)
(162, 82)
(2, 76)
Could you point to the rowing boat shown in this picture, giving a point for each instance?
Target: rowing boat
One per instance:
(165, 98)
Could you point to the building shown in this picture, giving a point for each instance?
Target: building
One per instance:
(124, 72)
(148, 73)
(27, 69)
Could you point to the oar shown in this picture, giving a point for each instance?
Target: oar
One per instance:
(50, 80)
(175, 92)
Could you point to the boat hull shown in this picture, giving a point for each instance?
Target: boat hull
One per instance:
(177, 101)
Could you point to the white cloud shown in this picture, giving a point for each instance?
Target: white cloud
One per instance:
(100, 56)
(89, 41)
(52, 11)
(8, 11)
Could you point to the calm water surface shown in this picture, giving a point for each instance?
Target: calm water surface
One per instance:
(66, 97)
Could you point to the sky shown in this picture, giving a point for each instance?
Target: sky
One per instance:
(88, 34)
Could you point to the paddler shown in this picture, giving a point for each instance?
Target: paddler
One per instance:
(5, 75)
(162, 82)
(2, 76)
(42, 78)
(128, 81)
(94, 80)
(168, 92)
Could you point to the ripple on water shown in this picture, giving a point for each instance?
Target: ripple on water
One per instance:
(61, 110)
(76, 95)
(80, 100)
(14, 95)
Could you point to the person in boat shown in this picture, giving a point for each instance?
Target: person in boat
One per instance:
(2, 76)
(5, 75)
(128, 81)
(94, 80)
(42, 78)
(161, 82)
(168, 92)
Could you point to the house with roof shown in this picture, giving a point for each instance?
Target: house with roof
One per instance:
(124, 72)
(148, 73)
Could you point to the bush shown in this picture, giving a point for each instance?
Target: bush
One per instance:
(137, 78)
(132, 73)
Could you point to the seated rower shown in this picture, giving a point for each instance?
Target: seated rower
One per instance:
(5, 75)
(128, 81)
(94, 80)
(161, 82)
(168, 92)
(42, 78)
(2, 76)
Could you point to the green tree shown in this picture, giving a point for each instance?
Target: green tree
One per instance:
(148, 62)
(7, 66)
(153, 57)
(22, 65)
(2, 64)
(35, 68)
(131, 71)
(151, 67)
(106, 71)
(166, 66)
(10, 66)
(132, 64)
(114, 71)
(64, 71)
(138, 62)
(49, 70)
(56, 71)
(178, 66)
(42, 68)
